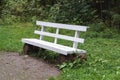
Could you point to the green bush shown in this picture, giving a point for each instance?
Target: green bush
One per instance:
(116, 21)
(74, 11)
(98, 26)
(101, 30)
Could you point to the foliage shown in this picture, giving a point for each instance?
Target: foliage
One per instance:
(102, 53)
(63, 11)
(73, 65)
(103, 62)
(116, 21)
(102, 40)
(74, 11)
(18, 10)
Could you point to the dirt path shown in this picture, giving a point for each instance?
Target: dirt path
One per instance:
(15, 67)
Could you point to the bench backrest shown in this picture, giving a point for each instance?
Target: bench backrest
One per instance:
(56, 35)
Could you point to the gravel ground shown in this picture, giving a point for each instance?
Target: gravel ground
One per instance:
(15, 67)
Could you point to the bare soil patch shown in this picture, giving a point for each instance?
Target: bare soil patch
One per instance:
(15, 67)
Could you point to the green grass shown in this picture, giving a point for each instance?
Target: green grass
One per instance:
(103, 54)
(11, 35)
(103, 61)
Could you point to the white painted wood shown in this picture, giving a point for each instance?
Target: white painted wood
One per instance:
(75, 44)
(63, 26)
(60, 36)
(42, 30)
(57, 32)
(51, 46)
(54, 46)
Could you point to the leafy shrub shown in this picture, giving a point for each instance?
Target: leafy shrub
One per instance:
(107, 33)
(100, 30)
(98, 27)
(74, 11)
(21, 10)
(116, 21)
(10, 19)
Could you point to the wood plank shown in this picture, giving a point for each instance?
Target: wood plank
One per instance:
(75, 44)
(60, 36)
(51, 46)
(42, 36)
(47, 45)
(63, 26)
(57, 32)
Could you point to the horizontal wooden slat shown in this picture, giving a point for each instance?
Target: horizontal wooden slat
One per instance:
(48, 45)
(63, 26)
(60, 36)
(53, 47)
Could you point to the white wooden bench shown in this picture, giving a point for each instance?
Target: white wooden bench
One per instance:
(58, 48)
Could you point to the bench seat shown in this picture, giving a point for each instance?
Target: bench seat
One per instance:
(52, 46)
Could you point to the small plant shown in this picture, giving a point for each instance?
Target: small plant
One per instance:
(75, 64)
(51, 78)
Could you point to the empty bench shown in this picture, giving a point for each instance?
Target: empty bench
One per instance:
(58, 48)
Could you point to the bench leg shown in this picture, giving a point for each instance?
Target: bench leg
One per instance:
(34, 49)
(25, 48)
(61, 58)
(42, 50)
(71, 57)
(83, 56)
(64, 58)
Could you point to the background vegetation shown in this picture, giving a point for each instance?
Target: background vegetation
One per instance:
(102, 40)
(103, 58)
(63, 11)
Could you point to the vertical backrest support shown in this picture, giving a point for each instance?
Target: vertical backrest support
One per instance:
(62, 26)
(75, 44)
(57, 32)
(56, 35)
(42, 30)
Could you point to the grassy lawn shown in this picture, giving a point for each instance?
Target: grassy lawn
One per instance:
(103, 62)
(10, 36)
(103, 53)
